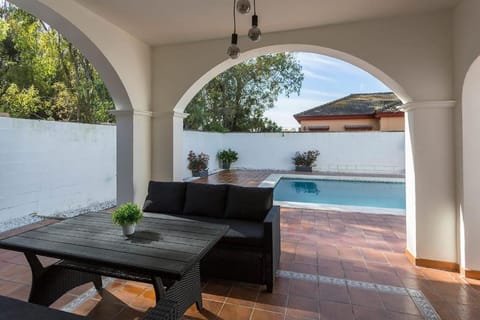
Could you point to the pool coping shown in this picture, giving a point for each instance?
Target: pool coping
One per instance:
(272, 180)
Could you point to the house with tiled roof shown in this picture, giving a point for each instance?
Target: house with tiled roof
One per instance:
(355, 112)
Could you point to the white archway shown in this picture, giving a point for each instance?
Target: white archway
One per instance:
(81, 41)
(228, 63)
(430, 211)
(470, 215)
(123, 63)
(178, 115)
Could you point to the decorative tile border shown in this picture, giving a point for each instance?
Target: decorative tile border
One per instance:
(77, 302)
(272, 180)
(417, 296)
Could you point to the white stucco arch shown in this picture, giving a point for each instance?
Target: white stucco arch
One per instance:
(228, 63)
(81, 41)
(178, 77)
(124, 64)
(470, 215)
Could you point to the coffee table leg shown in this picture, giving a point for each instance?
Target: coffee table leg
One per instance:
(50, 283)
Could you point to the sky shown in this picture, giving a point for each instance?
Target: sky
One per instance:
(326, 79)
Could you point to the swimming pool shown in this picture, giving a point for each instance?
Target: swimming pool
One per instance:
(343, 193)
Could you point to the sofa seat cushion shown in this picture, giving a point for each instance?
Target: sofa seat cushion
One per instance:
(207, 200)
(241, 232)
(165, 197)
(248, 203)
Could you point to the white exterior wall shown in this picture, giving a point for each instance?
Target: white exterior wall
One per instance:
(466, 48)
(346, 152)
(55, 168)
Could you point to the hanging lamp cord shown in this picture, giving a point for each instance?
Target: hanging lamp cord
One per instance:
(234, 19)
(254, 8)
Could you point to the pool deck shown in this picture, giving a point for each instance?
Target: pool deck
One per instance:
(334, 265)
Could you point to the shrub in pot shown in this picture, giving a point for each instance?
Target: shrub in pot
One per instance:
(127, 215)
(198, 164)
(227, 157)
(304, 161)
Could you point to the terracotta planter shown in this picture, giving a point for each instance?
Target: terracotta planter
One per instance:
(303, 168)
(200, 173)
(128, 229)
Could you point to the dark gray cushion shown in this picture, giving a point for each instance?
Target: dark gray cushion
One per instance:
(165, 197)
(248, 203)
(241, 232)
(206, 200)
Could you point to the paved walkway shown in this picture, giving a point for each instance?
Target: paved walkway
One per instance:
(333, 266)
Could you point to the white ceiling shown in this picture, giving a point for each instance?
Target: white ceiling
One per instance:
(175, 21)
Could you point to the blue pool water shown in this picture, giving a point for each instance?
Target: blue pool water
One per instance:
(346, 193)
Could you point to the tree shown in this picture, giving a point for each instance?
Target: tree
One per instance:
(237, 99)
(52, 79)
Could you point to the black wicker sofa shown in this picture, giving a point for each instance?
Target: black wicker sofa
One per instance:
(250, 251)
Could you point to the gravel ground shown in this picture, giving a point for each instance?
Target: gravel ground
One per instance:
(19, 222)
(32, 218)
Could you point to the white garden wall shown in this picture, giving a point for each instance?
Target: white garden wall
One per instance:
(343, 152)
(55, 168)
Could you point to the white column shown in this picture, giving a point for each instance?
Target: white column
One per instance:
(430, 181)
(469, 222)
(178, 161)
(133, 155)
(168, 146)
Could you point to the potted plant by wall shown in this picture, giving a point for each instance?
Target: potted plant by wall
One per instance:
(127, 215)
(198, 164)
(304, 161)
(227, 157)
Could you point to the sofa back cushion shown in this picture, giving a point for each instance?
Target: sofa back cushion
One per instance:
(248, 203)
(206, 200)
(165, 197)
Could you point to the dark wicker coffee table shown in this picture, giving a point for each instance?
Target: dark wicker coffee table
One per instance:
(165, 251)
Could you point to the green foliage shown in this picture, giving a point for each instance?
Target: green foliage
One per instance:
(237, 99)
(24, 103)
(306, 159)
(55, 81)
(227, 156)
(127, 213)
(197, 162)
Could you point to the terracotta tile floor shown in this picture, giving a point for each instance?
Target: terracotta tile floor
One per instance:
(334, 266)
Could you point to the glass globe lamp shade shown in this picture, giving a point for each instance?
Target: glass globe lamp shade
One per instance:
(233, 50)
(254, 33)
(243, 6)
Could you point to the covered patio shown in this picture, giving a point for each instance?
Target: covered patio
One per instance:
(333, 265)
(154, 56)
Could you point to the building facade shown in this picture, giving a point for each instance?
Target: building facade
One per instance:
(355, 112)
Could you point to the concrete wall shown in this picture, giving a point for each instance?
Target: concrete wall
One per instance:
(55, 168)
(358, 152)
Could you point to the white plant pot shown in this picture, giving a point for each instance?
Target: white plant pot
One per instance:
(128, 229)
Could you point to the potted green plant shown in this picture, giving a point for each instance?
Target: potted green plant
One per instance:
(127, 215)
(304, 161)
(227, 157)
(198, 164)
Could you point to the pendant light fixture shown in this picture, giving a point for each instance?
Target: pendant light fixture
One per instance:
(243, 6)
(254, 33)
(233, 50)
